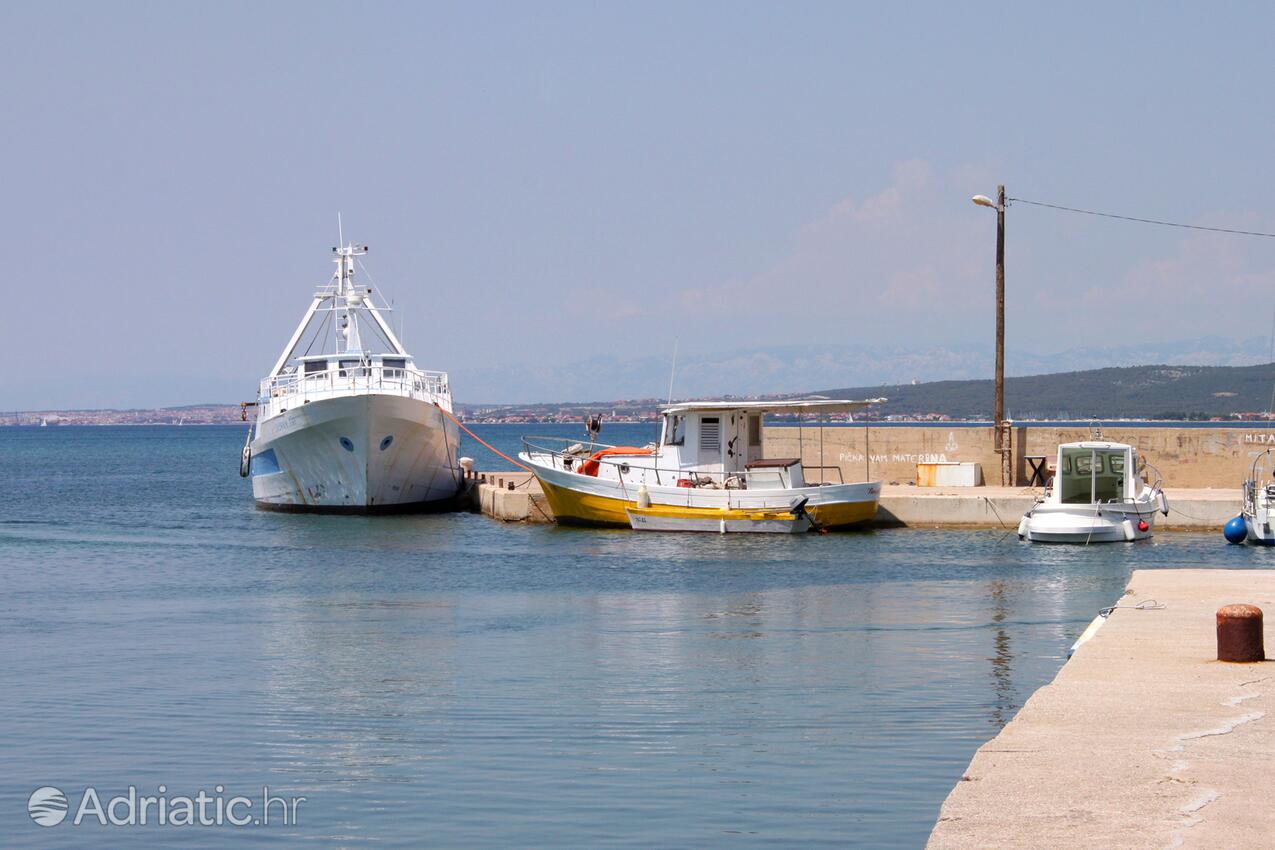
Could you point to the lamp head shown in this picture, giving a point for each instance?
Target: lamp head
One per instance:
(983, 201)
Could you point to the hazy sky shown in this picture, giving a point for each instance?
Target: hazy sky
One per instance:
(551, 181)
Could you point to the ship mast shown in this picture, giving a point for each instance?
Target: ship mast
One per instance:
(348, 299)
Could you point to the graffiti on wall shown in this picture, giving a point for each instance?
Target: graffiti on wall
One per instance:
(857, 457)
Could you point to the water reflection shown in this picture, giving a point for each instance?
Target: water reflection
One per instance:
(1006, 704)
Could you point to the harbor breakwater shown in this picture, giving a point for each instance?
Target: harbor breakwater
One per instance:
(1189, 457)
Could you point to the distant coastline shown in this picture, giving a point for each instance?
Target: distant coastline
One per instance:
(160, 417)
(1161, 394)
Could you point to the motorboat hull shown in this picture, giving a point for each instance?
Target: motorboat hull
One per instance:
(1258, 535)
(579, 499)
(1258, 526)
(1118, 523)
(364, 453)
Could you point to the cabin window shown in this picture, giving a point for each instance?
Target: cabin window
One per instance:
(394, 363)
(350, 367)
(710, 434)
(1109, 477)
(1086, 475)
(754, 430)
(313, 366)
(1075, 477)
(676, 431)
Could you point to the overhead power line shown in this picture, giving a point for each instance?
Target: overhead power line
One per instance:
(1143, 220)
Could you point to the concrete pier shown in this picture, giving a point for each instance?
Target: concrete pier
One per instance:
(492, 495)
(901, 505)
(1003, 507)
(1143, 740)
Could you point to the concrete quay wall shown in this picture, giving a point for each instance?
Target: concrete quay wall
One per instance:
(1186, 457)
(1002, 507)
(901, 506)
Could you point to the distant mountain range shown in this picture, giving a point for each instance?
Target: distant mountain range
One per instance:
(785, 369)
(1226, 377)
(1133, 392)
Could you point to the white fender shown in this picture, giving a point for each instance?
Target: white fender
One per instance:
(1129, 533)
(1164, 503)
(1089, 632)
(1022, 528)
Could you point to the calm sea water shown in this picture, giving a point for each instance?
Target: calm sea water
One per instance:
(450, 681)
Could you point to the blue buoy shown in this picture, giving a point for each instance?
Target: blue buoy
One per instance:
(1235, 530)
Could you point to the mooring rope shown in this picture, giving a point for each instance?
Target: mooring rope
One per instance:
(1144, 605)
(488, 445)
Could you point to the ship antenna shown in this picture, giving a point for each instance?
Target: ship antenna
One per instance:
(672, 372)
(340, 234)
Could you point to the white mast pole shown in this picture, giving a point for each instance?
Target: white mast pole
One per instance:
(292, 343)
(385, 328)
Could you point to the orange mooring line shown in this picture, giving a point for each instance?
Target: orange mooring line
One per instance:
(489, 446)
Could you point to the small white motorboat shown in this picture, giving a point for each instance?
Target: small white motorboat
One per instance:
(1098, 495)
(1259, 502)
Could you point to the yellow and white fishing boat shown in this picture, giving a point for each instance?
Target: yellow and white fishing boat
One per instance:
(707, 473)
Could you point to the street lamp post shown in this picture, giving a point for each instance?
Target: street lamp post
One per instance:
(998, 414)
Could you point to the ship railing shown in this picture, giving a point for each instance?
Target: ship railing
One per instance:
(566, 454)
(282, 392)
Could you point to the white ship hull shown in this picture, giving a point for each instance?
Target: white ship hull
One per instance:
(357, 453)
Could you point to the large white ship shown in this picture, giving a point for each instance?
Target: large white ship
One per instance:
(354, 426)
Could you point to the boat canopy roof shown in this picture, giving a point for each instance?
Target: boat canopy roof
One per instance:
(795, 405)
(1095, 444)
(351, 355)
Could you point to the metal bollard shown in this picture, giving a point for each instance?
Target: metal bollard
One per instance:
(1239, 634)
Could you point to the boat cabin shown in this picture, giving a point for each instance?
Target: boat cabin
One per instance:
(710, 438)
(349, 365)
(708, 444)
(1096, 472)
(318, 376)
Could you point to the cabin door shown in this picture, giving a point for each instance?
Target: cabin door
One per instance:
(735, 442)
(710, 440)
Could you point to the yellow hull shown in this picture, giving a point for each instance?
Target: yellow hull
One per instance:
(574, 507)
